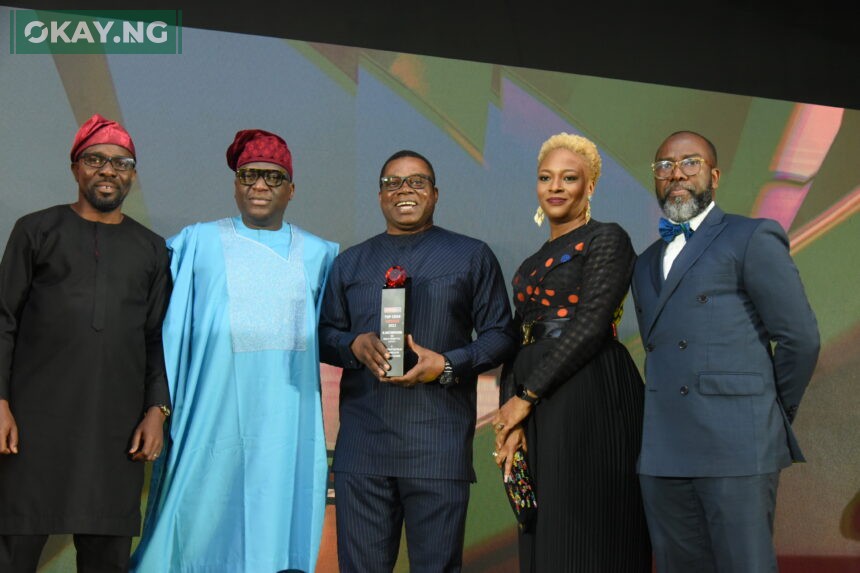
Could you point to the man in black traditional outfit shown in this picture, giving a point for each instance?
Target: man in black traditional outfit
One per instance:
(83, 395)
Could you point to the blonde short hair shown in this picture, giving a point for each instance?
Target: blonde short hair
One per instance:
(577, 144)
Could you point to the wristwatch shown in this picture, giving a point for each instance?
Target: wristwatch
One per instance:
(523, 392)
(164, 409)
(447, 377)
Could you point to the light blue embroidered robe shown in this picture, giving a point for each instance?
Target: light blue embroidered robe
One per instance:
(241, 485)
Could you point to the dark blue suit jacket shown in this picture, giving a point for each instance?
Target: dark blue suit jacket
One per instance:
(731, 343)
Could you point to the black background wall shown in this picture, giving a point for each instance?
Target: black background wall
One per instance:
(802, 52)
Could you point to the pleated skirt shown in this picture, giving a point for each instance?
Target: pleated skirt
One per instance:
(583, 440)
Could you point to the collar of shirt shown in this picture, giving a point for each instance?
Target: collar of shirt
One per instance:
(673, 248)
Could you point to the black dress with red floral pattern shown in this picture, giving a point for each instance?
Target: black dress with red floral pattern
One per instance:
(583, 436)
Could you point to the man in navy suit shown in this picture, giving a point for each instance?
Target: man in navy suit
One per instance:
(731, 343)
(404, 448)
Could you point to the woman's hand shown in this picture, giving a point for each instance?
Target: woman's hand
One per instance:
(508, 417)
(505, 455)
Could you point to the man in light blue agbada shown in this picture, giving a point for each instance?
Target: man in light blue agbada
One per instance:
(242, 484)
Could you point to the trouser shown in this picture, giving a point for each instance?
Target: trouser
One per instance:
(371, 511)
(95, 553)
(711, 525)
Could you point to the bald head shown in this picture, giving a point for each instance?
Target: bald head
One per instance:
(709, 150)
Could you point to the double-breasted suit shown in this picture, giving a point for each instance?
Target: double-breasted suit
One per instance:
(719, 398)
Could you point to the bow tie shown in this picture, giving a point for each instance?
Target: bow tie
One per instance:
(669, 230)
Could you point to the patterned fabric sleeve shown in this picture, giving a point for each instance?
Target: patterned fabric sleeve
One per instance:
(491, 317)
(335, 330)
(606, 278)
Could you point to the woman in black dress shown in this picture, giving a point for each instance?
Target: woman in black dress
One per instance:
(573, 397)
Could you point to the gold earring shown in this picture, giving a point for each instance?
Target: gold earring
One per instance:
(588, 210)
(539, 215)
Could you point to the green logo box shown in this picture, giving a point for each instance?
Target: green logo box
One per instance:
(95, 32)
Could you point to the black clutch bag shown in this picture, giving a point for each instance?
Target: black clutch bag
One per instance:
(521, 493)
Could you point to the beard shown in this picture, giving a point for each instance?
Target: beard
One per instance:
(105, 204)
(679, 210)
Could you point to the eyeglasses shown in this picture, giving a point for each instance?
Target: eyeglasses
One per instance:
(97, 161)
(415, 181)
(689, 166)
(272, 177)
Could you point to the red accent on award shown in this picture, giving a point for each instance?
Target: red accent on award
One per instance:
(395, 277)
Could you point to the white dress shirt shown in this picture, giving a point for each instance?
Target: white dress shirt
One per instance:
(673, 248)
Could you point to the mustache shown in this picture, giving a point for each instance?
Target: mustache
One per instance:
(679, 185)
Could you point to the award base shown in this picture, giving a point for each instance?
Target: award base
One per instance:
(392, 330)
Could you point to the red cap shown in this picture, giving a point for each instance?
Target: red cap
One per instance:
(252, 145)
(98, 130)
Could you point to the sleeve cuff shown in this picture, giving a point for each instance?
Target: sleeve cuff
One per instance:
(157, 393)
(347, 358)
